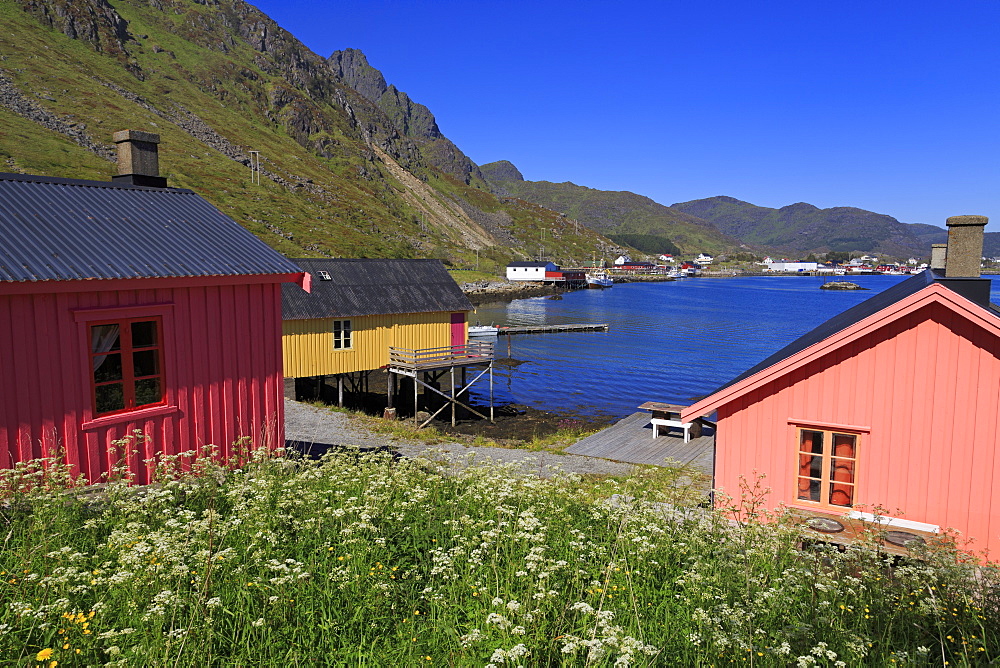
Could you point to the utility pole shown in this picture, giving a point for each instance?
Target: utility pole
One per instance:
(255, 167)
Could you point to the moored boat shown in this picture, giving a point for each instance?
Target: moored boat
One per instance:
(599, 279)
(483, 330)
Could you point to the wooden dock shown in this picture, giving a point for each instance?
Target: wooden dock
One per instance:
(631, 440)
(545, 329)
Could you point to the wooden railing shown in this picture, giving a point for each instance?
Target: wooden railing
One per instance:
(474, 352)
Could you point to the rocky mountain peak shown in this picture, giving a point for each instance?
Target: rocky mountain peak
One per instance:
(351, 66)
(799, 208)
(410, 118)
(501, 171)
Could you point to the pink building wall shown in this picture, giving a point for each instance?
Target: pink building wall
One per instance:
(221, 355)
(920, 388)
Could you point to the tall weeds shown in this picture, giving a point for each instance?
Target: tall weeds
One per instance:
(373, 561)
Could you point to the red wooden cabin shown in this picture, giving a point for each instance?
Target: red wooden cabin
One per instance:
(128, 305)
(893, 404)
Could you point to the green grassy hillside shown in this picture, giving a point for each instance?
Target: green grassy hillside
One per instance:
(341, 176)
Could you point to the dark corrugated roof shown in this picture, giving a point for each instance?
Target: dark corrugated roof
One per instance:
(529, 264)
(56, 229)
(372, 287)
(855, 314)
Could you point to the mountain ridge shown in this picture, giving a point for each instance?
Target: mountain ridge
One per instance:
(341, 174)
(351, 165)
(621, 215)
(806, 228)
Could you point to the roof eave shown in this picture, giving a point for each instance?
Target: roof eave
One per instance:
(933, 292)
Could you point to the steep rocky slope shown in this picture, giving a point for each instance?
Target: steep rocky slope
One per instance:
(350, 165)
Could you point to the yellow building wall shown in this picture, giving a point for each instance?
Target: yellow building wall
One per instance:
(307, 345)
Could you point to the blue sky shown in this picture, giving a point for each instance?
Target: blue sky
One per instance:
(888, 106)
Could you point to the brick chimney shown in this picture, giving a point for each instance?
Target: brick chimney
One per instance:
(138, 163)
(965, 246)
(939, 253)
(965, 257)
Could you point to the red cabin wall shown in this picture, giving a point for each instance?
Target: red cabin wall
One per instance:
(222, 363)
(923, 393)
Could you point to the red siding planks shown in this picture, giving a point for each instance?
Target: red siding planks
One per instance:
(222, 364)
(922, 382)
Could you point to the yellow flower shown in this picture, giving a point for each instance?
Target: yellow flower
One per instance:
(43, 654)
(53, 664)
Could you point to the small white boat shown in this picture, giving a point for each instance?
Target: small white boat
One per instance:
(483, 330)
(599, 279)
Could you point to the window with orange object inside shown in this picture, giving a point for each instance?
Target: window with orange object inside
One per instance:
(826, 467)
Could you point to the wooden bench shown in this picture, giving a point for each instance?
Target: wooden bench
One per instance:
(668, 416)
(669, 424)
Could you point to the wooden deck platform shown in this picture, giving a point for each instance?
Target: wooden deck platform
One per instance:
(408, 362)
(631, 440)
(544, 329)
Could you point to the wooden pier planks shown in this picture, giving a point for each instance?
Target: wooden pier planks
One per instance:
(631, 440)
(545, 329)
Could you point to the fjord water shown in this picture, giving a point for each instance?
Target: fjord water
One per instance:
(672, 342)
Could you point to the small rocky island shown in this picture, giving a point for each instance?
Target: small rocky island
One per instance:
(841, 285)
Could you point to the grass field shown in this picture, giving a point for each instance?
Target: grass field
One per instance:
(374, 561)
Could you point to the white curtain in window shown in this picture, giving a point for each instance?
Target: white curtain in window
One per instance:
(102, 338)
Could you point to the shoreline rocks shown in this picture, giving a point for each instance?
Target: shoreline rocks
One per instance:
(489, 292)
(841, 285)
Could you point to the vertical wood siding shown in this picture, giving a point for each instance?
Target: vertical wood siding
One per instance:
(308, 344)
(222, 364)
(923, 387)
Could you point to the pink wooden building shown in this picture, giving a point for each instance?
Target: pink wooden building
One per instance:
(128, 305)
(893, 404)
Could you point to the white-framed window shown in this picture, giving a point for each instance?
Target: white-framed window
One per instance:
(342, 335)
(826, 467)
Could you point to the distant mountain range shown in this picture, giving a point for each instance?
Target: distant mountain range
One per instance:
(803, 228)
(722, 222)
(622, 216)
(351, 166)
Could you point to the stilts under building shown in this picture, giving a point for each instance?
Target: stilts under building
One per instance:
(406, 317)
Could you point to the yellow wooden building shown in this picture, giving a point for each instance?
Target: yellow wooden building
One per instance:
(358, 310)
(408, 317)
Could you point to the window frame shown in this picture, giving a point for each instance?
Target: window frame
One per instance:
(338, 335)
(162, 313)
(129, 380)
(827, 459)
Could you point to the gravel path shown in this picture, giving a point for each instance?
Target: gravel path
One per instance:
(311, 424)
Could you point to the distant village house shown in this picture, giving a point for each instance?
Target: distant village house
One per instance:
(529, 271)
